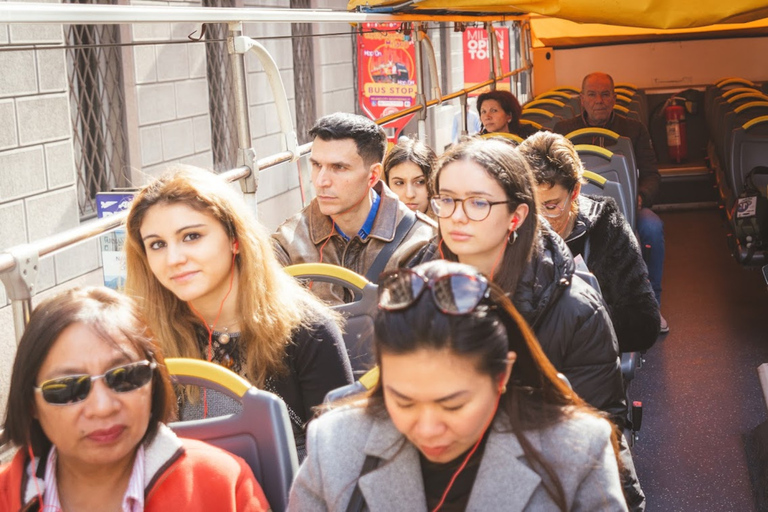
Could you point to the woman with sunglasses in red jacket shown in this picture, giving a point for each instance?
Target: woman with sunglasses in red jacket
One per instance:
(88, 401)
(468, 413)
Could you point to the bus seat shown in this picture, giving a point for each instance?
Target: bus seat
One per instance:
(735, 118)
(511, 136)
(610, 139)
(568, 95)
(612, 166)
(260, 433)
(748, 149)
(366, 382)
(541, 116)
(597, 185)
(557, 107)
(630, 363)
(567, 89)
(358, 331)
(532, 123)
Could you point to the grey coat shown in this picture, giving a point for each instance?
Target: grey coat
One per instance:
(578, 449)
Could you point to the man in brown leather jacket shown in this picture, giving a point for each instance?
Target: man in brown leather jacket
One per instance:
(354, 217)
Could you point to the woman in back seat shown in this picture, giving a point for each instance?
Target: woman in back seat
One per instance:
(594, 228)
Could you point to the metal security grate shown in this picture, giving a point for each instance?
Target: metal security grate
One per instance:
(97, 106)
(221, 96)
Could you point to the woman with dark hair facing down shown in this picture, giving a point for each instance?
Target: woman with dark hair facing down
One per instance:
(594, 228)
(87, 408)
(487, 211)
(500, 113)
(408, 172)
(468, 413)
(206, 277)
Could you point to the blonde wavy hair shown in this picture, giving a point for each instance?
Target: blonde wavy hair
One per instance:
(270, 303)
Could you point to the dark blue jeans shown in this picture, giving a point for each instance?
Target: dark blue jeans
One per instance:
(650, 230)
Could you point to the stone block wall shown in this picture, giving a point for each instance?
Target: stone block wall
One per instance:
(38, 192)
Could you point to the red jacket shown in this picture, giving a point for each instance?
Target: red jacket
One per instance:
(180, 474)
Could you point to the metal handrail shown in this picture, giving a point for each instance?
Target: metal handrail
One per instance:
(19, 264)
(18, 12)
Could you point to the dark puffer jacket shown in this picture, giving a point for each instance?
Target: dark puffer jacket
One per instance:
(615, 259)
(571, 323)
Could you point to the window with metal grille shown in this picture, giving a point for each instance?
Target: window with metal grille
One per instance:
(97, 106)
(221, 96)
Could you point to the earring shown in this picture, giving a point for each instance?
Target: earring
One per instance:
(512, 238)
(503, 389)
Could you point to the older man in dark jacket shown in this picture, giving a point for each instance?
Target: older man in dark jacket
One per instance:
(597, 100)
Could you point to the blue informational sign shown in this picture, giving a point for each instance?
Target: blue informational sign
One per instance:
(112, 255)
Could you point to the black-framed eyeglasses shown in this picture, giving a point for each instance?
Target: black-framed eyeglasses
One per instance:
(454, 294)
(75, 388)
(475, 208)
(554, 210)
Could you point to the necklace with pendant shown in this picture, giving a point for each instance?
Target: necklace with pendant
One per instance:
(222, 334)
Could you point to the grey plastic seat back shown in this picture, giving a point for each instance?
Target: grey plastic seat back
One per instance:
(596, 185)
(614, 168)
(749, 149)
(359, 314)
(260, 433)
(607, 139)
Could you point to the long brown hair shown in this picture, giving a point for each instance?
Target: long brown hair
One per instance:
(536, 397)
(504, 163)
(270, 303)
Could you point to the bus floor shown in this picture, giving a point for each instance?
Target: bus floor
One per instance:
(699, 386)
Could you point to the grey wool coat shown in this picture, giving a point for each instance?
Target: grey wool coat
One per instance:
(579, 450)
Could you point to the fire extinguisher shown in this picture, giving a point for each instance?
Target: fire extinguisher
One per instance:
(677, 143)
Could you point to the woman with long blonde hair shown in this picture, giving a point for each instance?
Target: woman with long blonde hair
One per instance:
(204, 272)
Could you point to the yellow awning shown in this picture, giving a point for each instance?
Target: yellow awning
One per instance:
(655, 14)
(560, 33)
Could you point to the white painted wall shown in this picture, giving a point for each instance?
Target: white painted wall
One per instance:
(669, 65)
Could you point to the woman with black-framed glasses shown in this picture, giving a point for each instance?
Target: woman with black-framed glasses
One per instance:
(491, 222)
(88, 400)
(468, 413)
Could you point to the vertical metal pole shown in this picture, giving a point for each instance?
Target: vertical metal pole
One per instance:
(464, 113)
(491, 53)
(21, 310)
(245, 153)
(421, 97)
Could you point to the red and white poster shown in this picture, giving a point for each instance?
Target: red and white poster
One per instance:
(477, 66)
(387, 74)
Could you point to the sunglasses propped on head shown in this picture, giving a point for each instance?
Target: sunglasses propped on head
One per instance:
(454, 294)
(75, 388)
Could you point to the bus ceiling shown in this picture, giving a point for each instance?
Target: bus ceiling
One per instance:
(566, 23)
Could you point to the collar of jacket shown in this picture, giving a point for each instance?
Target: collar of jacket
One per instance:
(589, 211)
(164, 450)
(384, 226)
(549, 270)
(397, 483)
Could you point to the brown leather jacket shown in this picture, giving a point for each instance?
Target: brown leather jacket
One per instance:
(300, 238)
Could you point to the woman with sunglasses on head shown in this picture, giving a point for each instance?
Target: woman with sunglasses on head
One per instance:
(88, 401)
(468, 413)
(408, 172)
(205, 275)
(594, 228)
(487, 216)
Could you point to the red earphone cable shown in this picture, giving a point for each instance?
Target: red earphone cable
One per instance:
(469, 456)
(213, 326)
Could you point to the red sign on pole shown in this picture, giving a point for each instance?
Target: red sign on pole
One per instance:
(387, 74)
(476, 62)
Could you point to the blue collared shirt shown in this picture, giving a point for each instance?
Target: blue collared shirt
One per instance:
(365, 230)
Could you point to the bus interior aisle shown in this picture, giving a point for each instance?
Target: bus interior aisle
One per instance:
(699, 385)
